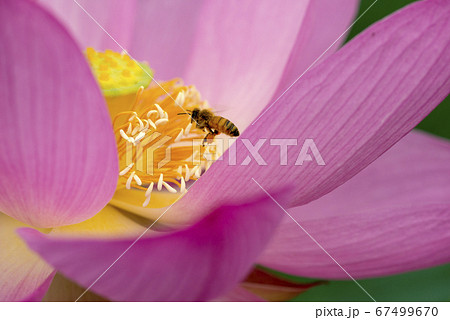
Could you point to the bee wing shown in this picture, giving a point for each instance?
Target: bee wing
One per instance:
(219, 109)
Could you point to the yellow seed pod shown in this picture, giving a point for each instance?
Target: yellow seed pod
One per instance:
(117, 74)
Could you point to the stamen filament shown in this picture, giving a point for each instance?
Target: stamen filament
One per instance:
(125, 171)
(161, 121)
(149, 190)
(130, 178)
(136, 178)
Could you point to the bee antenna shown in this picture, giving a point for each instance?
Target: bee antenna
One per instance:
(183, 113)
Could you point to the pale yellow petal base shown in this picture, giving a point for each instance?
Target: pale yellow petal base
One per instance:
(131, 201)
(21, 270)
(108, 223)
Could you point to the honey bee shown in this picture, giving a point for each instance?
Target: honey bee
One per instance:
(214, 125)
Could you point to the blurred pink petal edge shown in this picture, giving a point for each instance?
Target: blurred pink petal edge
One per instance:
(211, 255)
(56, 121)
(117, 17)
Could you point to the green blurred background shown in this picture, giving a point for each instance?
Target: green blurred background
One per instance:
(424, 285)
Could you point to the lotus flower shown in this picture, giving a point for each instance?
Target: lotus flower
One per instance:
(376, 210)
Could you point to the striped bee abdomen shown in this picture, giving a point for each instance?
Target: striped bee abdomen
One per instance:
(224, 125)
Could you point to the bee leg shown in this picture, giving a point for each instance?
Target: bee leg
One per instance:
(211, 134)
(205, 140)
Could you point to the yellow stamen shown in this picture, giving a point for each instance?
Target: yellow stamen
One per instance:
(164, 152)
(163, 148)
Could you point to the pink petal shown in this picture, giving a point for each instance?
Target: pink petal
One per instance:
(354, 105)
(115, 16)
(24, 276)
(160, 32)
(164, 35)
(58, 159)
(241, 49)
(197, 263)
(392, 217)
(321, 33)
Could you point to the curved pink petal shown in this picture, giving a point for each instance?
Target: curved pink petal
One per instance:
(240, 51)
(58, 159)
(322, 31)
(354, 106)
(116, 17)
(24, 276)
(392, 217)
(197, 263)
(160, 32)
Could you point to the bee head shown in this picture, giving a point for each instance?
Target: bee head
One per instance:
(193, 113)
